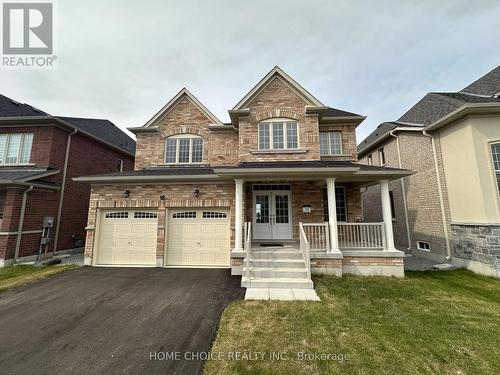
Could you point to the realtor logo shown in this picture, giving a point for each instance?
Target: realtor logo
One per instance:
(28, 34)
(27, 28)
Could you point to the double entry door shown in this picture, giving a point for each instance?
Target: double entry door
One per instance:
(272, 215)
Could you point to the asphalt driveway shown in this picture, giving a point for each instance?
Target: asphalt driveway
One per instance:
(113, 321)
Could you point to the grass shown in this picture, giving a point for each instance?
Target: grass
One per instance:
(426, 323)
(14, 276)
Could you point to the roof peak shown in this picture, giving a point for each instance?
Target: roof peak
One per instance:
(172, 102)
(276, 70)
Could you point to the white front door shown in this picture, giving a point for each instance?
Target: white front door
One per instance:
(272, 215)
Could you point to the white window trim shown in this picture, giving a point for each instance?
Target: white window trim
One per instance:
(270, 122)
(490, 145)
(381, 152)
(369, 159)
(420, 248)
(184, 136)
(330, 143)
(3, 158)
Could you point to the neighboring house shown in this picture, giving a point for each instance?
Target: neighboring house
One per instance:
(209, 194)
(450, 208)
(39, 154)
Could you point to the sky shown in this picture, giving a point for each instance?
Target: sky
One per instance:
(123, 60)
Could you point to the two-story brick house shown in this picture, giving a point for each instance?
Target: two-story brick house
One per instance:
(274, 193)
(39, 155)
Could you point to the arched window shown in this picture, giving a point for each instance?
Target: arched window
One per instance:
(183, 149)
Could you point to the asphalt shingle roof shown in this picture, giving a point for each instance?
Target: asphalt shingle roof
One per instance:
(102, 129)
(435, 105)
(105, 130)
(489, 84)
(11, 108)
(16, 173)
(334, 112)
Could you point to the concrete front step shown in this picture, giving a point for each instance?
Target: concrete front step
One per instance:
(278, 254)
(277, 263)
(271, 282)
(277, 272)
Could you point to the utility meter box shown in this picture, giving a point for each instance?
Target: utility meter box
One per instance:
(48, 222)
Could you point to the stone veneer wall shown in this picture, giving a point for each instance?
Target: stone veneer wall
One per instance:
(477, 243)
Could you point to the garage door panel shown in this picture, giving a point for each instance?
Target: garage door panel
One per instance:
(128, 240)
(201, 240)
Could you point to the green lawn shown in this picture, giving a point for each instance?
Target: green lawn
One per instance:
(426, 323)
(13, 276)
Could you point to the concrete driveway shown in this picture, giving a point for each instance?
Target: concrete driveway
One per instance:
(113, 320)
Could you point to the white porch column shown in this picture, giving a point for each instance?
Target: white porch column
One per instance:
(238, 213)
(332, 215)
(386, 213)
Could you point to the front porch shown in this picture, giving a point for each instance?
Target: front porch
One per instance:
(318, 222)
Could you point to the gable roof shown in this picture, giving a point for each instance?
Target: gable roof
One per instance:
(11, 108)
(489, 84)
(434, 107)
(269, 77)
(105, 130)
(176, 99)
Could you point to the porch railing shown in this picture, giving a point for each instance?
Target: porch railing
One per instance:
(305, 249)
(318, 235)
(247, 229)
(361, 236)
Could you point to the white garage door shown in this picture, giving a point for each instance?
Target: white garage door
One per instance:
(198, 238)
(128, 238)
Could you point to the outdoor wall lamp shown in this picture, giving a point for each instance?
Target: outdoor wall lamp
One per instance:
(196, 192)
(126, 193)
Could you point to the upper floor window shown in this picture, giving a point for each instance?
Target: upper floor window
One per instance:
(183, 149)
(15, 148)
(278, 135)
(330, 143)
(495, 153)
(369, 159)
(381, 156)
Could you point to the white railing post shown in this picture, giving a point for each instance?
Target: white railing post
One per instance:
(305, 249)
(238, 215)
(247, 246)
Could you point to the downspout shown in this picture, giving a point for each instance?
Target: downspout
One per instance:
(21, 222)
(61, 197)
(407, 222)
(440, 192)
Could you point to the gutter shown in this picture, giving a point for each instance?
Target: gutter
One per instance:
(440, 192)
(403, 190)
(462, 111)
(28, 184)
(63, 186)
(56, 121)
(21, 222)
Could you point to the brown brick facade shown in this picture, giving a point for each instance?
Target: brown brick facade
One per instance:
(87, 156)
(421, 189)
(220, 147)
(148, 196)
